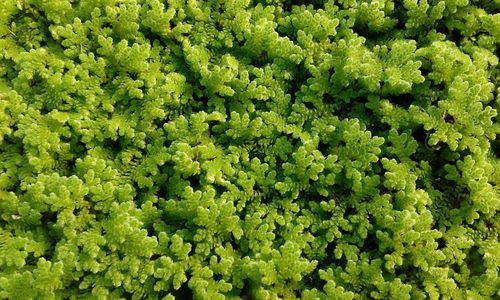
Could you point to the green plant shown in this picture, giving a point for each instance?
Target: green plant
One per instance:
(238, 149)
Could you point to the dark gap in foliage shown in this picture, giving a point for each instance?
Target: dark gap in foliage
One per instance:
(246, 292)
(339, 263)
(311, 195)
(438, 173)
(46, 109)
(200, 95)
(48, 254)
(126, 295)
(495, 91)
(158, 123)
(456, 268)
(218, 26)
(238, 49)
(36, 81)
(261, 59)
(330, 253)
(132, 75)
(31, 260)
(442, 28)
(184, 292)
(175, 222)
(69, 165)
(219, 189)
(387, 275)
(461, 154)
(309, 105)
(419, 134)
(155, 256)
(297, 294)
(495, 146)
(137, 190)
(9, 67)
(300, 77)
(350, 211)
(171, 24)
(400, 14)
(167, 170)
(454, 36)
(402, 100)
(378, 128)
(235, 244)
(364, 31)
(382, 188)
(115, 146)
(407, 267)
(73, 287)
(449, 118)
(370, 243)
(11, 139)
(48, 219)
(217, 277)
(77, 146)
(438, 87)
(384, 37)
(289, 4)
(475, 261)
(424, 72)
(328, 98)
(422, 137)
(441, 243)
(151, 232)
(194, 182)
(260, 106)
(324, 148)
(356, 110)
(374, 37)
(491, 7)
(455, 201)
(313, 281)
(287, 32)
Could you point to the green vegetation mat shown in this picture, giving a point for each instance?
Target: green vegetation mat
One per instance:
(249, 149)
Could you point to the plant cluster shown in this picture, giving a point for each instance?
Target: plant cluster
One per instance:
(249, 149)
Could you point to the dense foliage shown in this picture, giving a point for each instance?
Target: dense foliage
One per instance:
(249, 149)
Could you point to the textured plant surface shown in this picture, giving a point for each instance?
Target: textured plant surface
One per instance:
(246, 149)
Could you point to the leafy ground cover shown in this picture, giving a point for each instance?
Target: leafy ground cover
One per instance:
(246, 149)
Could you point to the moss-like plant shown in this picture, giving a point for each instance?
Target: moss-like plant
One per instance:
(249, 149)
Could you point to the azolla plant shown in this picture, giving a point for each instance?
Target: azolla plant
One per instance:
(249, 149)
